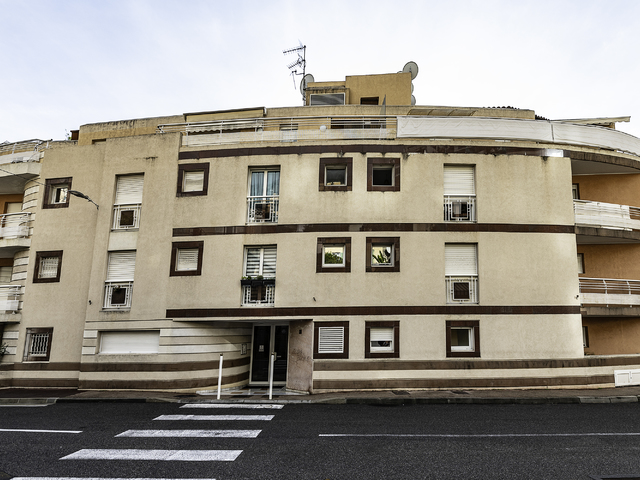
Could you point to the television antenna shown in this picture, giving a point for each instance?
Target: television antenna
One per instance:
(299, 64)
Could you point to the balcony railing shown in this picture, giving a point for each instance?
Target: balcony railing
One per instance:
(117, 295)
(462, 289)
(258, 295)
(459, 209)
(609, 291)
(262, 209)
(10, 298)
(14, 225)
(126, 217)
(606, 215)
(288, 129)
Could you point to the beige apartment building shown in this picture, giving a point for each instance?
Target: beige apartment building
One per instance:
(368, 243)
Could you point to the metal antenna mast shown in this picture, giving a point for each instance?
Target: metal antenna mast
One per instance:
(300, 63)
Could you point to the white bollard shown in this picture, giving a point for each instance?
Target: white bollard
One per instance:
(220, 376)
(271, 365)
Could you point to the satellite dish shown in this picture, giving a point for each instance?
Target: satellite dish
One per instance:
(308, 78)
(412, 68)
(413, 100)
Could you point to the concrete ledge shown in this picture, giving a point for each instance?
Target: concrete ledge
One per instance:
(28, 401)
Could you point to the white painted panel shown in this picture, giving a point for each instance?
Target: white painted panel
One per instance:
(19, 276)
(208, 418)
(10, 335)
(31, 190)
(253, 406)
(595, 136)
(88, 350)
(199, 348)
(166, 455)
(129, 342)
(21, 261)
(90, 334)
(29, 204)
(626, 377)
(190, 433)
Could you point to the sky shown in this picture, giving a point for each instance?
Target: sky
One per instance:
(73, 62)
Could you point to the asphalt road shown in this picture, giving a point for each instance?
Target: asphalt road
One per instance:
(107, 440)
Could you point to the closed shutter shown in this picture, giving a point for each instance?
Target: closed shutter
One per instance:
(330, 339)
(261, 261)
(130, 342)
(121, 266)
(252, 267)
(193, 181)
(269, 262)
(187, 259)
(460, 259)
(48, 267)
(381, 334)
(129, 189)
(459, 180)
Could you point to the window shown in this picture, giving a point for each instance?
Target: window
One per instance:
(383, 174)
(186, 259)
(258, 283)
(48, 267)
(463, 338)
(56, 192)
(331, 340)
(129, 342)
(585, 336)
(333, 255)
(126, 210)
(575, 191)
(459, 193)
(580, 263)
(461, 272)
(193, 179)
(37, 346)
(335, 174)
(5, 274)
(119, 282)
(263, 198)
(382, 340)
(383, 254)
(369, 100)
(326, 99)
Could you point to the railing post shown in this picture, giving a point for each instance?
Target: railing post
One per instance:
(220, 375)
(271, 365)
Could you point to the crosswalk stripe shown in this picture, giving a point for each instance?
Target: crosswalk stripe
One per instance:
(167, 455)
(24, 430)
(233, 405)
(214, 417)
(191, 433)
(103, 478)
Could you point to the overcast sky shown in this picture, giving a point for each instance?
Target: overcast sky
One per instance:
(66, 63)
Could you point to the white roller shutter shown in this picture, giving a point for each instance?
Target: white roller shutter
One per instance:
(381, 334)
(460, 259)
(129, 189)
(193, 181)
(130, 342)
(459, 180)
(187, 259)
(330, 339)
(269, 262)
(121, 266)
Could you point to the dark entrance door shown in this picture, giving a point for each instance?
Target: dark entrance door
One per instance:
(267, 339)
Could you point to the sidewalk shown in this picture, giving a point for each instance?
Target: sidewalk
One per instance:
(15, 396)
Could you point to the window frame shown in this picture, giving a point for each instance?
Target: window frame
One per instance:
(474, 325)
(36, 271)
(329, 162)
(316, 340)
(322, 241)
(581, 268)
(27, 345)
(175, 246)
(395, 244)
(373, 163)
(193, 167)
(50, 184)
(395, 324)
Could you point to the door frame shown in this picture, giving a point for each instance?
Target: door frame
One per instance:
(272, 326)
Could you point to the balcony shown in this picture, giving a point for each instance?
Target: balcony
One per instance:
(462, 290)
(14, 225)
(262, 209)
(10, 298)
(606, 215)
(126, 217)
(459, 208)
(609, 291)
(258, 293)
(117, 295)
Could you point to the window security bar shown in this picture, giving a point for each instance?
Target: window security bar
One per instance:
(10, 298)
(609, 291)
(606, 215)
(262, 209)
(117, 295)
(459, 208)
(39, 345)
(260, 296)
(462, 289)
(14, 225)
(126, 217)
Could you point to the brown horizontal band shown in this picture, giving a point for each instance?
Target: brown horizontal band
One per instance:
(160, 384)
(44, 366)
(163, 367)
(372, 310)
(406, 149)
(470, 364)
(372, 227)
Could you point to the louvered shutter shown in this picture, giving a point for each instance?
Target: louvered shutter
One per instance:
(121, 266)
(381, 334)
(48, 267)
(129, 189)
(130, 342)
(187, 259)
(193, 181)
(252, 267)
(330, 339)
(460, 259)
(459, 180)
(269, 262)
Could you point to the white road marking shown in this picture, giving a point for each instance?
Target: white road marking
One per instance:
(168, 455)
(232, 405)
(103, 478)
(479, 436)
(38, 431)
(38, 405)
(191, 433)
(214, 417)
